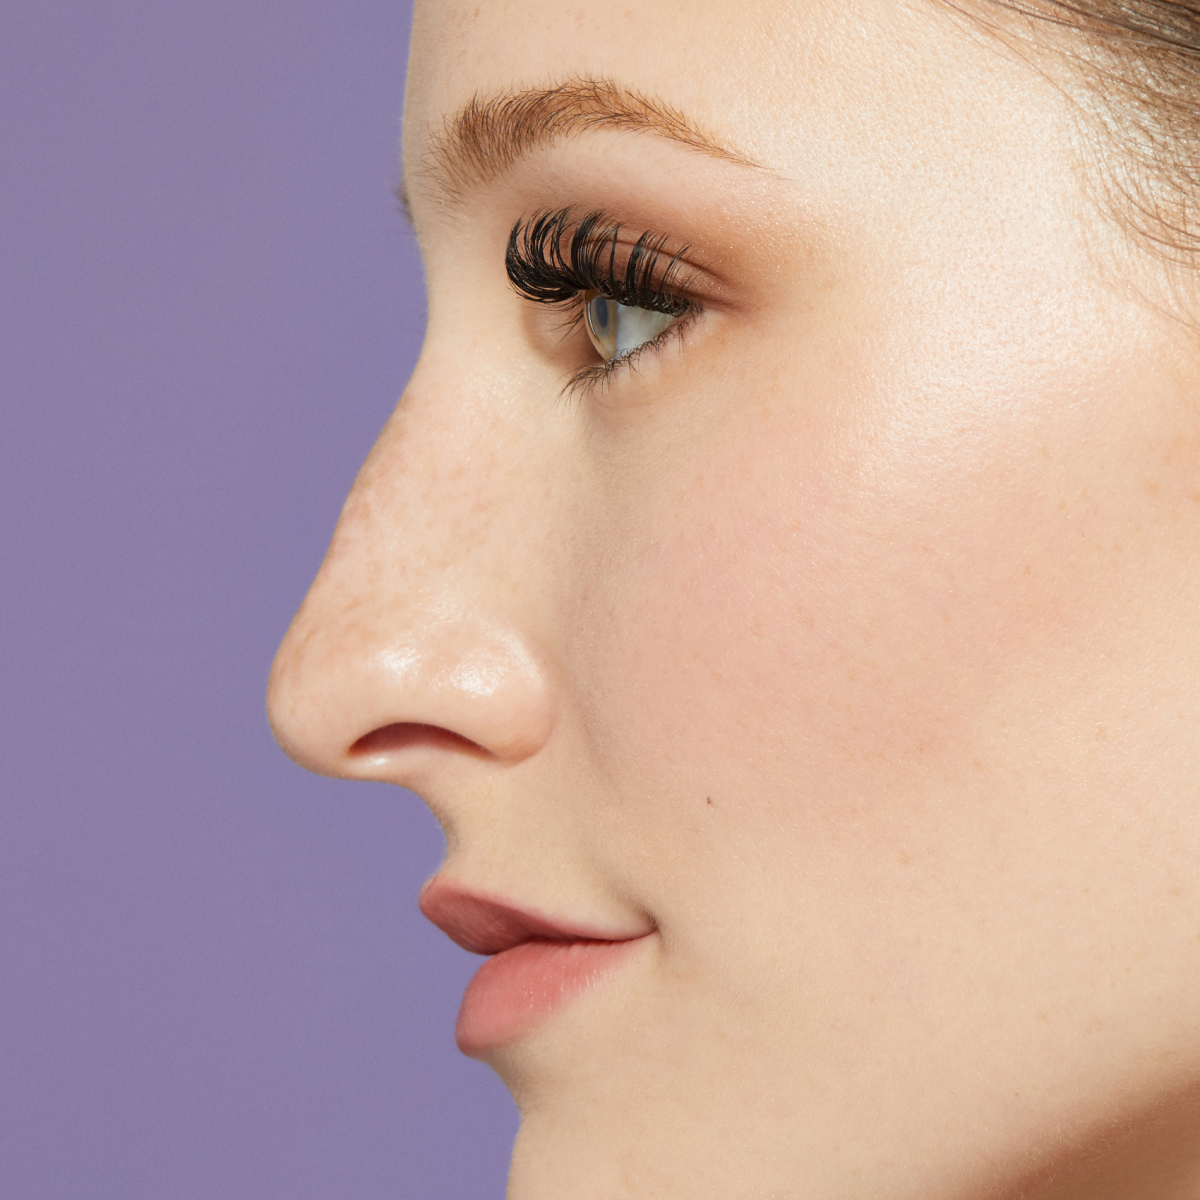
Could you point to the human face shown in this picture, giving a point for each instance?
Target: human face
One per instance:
(834, 659)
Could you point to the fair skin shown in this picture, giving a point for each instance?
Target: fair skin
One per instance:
(845, 646)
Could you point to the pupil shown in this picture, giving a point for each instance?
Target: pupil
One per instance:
(600, 313)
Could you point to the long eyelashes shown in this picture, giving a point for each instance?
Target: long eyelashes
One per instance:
(551, 259)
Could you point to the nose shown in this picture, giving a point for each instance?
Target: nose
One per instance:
(419, 637)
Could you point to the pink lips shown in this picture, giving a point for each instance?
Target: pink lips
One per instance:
(535, 965)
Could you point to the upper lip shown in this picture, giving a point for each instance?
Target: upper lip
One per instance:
(487, 926)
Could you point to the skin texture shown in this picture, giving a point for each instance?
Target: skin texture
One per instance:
(848, 644)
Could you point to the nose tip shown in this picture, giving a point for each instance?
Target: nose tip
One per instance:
(421, 630)
(352, 696)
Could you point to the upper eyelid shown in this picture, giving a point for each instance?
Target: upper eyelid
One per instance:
(551, 257)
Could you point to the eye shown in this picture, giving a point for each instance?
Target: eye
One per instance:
(616, 329)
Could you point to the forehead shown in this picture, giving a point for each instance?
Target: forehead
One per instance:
(704, 52)
(740, 70)
(826, 92)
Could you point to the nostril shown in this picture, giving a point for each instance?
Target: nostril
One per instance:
(404, 735)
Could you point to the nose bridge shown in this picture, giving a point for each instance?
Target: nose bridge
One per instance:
(418, 617)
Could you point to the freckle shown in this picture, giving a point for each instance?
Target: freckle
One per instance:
(1061, 505)
(977, 765)
(903, 859)
(1028, 569)
(711, 805)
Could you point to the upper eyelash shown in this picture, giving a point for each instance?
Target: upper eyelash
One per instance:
(551, 262)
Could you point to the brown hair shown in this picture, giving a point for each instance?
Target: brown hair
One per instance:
(1141, 62)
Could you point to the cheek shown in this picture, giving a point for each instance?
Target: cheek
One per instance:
(817, 629)
(789, 639)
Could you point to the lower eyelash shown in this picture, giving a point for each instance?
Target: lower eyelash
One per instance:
(601, 373)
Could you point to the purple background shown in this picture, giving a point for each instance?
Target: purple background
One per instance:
(214, 982)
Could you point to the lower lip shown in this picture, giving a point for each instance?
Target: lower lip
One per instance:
(517, 987)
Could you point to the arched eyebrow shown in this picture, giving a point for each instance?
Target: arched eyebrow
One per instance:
(491, 132)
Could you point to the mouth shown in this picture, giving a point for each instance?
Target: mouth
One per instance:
(535, 965)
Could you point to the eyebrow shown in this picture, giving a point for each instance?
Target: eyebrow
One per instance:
(491, 133)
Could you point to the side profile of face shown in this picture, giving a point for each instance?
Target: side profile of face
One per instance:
(834, 651)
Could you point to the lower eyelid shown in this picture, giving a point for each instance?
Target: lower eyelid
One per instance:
(599, 374)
